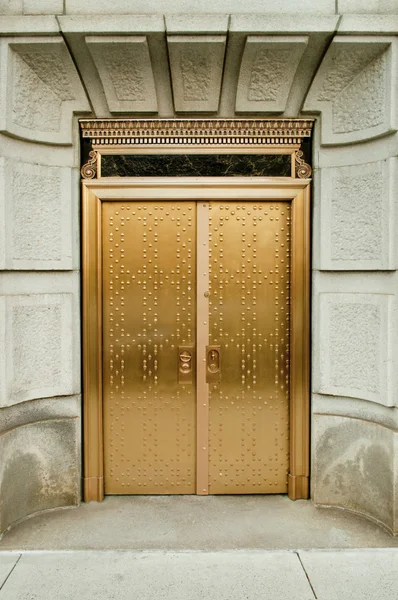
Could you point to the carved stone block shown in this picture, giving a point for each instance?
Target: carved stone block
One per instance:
(124, 67)
(37, 355)
(267, 71)
(37, 225)
(353, 89)
(196, 64)
(354, 341)
(357, 217)
(40, 89)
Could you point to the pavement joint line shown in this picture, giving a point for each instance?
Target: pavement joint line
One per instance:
(150, 551)
(9, 574)
(306, 574)
(22, 551)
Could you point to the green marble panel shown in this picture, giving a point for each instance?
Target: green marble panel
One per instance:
(196, 165)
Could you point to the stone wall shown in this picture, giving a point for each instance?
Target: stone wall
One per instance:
(355, 418)
(40, 430)
(60, 60)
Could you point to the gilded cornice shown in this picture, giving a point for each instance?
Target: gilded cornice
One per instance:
(116, 131)
(128, 133)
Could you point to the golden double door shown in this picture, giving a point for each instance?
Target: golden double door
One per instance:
(196, 336)
(195, 330)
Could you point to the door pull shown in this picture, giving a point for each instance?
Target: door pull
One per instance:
(213, 364)
(185, 364)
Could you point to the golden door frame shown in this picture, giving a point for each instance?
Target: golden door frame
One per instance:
(295, 191)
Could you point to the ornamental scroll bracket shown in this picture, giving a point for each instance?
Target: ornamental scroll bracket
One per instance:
(89, 169)
(303, 170)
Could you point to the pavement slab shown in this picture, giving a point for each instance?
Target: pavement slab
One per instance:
(196, 523)
(113, 575)
(7, 562)
(353, 574)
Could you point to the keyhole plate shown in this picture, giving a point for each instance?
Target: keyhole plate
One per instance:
(213, 364)
(186, 361)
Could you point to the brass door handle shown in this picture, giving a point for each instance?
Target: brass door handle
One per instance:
(185, 364)
(213, 364)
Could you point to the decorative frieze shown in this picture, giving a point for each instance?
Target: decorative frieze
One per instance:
(203, 131)
(283, 136)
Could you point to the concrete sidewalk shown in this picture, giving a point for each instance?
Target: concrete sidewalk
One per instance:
(224, 575)
(191, 548)
(208, 523)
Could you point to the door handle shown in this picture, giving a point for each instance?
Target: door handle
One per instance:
(213, 364)
(185, 364)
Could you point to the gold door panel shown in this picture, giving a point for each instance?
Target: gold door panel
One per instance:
(149, 318)
(249, 282)
(196, 336)
(156, 403)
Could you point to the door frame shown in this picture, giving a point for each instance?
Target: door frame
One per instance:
(295, 191)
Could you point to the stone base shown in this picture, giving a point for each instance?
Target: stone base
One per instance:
(40, 465)
(354, 468)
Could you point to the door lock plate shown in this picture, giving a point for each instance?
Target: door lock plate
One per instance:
(186, 356)
(213, 364)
